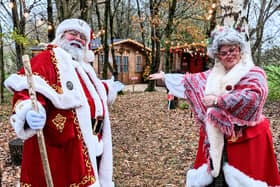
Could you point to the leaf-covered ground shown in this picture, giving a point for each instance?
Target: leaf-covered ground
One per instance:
(152, 146)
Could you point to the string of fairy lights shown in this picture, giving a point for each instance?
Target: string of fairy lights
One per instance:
(27, 13)
(211, 11)
(193, 48)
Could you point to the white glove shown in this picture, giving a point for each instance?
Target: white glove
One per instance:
(36, 120)
(118, 86)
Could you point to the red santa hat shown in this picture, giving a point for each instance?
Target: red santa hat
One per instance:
(74, 24)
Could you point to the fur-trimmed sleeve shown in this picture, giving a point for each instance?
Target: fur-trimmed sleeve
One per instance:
(22, 104)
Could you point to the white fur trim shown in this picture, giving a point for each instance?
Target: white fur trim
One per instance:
(91, 89)
(236, 178)
(216, 141)
(89, 57)
(106, 162)
(69, 98)
(216, 84)
(105, 169)
(99, 147)
(18, 119)
(219, 78)
(198, 177)
(97, 82)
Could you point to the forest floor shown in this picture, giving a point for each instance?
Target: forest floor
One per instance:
(152, 146)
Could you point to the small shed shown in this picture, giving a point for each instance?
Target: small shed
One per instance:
(130, 58)
(190, 58)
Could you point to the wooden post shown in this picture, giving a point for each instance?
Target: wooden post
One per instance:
(133, 86)
(133, 79)
(40, 135)
(16, 147)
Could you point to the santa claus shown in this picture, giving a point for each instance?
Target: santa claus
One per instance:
(73, 113)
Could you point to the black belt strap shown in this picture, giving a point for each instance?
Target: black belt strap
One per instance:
(97, 125)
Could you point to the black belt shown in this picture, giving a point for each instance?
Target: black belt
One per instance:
(97, 125)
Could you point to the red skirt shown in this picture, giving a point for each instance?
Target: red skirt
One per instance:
(252, 154)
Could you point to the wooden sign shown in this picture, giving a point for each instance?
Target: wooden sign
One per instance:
(134, 78)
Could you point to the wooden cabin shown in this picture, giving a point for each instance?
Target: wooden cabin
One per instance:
(190, 58)
(130, 59)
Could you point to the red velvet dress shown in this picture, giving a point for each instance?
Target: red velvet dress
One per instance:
(258, 139)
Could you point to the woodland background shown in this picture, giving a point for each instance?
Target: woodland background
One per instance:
(154, 23)
(152, 146)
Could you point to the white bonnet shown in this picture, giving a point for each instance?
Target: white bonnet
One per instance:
(224, 36)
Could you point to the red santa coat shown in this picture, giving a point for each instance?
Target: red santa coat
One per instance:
(72, 95)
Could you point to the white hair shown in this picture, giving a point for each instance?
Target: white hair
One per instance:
(225, 36)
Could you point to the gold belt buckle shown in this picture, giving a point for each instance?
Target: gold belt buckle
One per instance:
(97, 126)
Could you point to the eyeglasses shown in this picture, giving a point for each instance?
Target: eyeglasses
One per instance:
(76, 33)
(232, 50)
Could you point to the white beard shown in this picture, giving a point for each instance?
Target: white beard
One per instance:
(76, 52)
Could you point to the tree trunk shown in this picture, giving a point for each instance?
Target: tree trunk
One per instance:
(259, 33)
(84, 10)
(105, 42)
(168, 32)
(17, 29)
(128, 19)
(115, 67)
(151, 83)
(103, 36)
(66, 9)
(98, 17)
(155, 39)
(2, 70)
(51, 30)
(143, 34)
(60, 10)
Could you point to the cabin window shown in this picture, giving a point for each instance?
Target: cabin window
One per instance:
(138, 63)
(118, 62)
(125, 64)
(101, 63)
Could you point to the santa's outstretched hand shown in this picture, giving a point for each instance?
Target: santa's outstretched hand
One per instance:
(118, 86)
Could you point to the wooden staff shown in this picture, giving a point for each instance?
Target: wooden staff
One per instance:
(40, 135)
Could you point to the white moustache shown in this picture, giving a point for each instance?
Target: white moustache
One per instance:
(76, 43)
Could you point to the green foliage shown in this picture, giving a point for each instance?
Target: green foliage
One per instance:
(20, 39)
(273, 78)
(183, 105)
